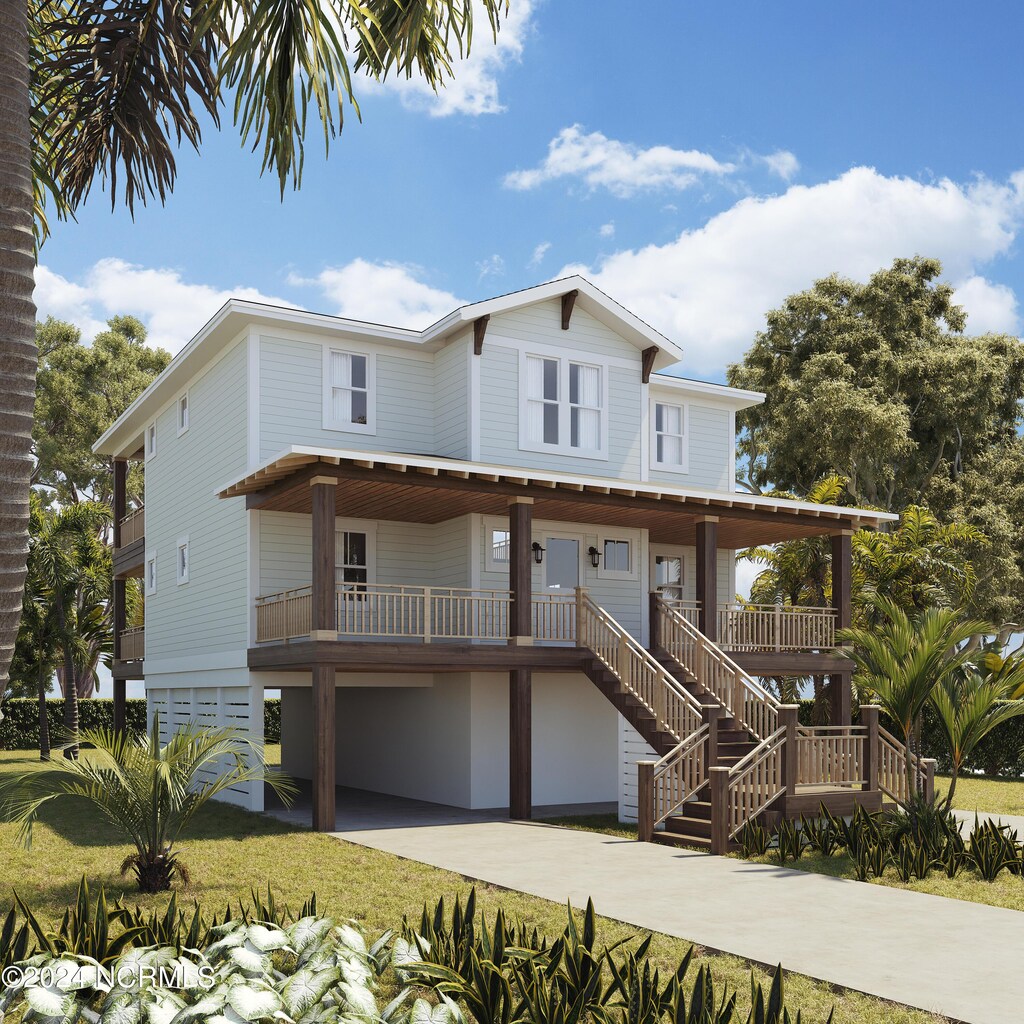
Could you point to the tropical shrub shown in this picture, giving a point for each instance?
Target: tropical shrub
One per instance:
(150, 791)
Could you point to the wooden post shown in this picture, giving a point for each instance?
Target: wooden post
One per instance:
(928, 764)
(645, 801)
(581, 597)
(788, 718)
(520, 570)
(719, 778)
(840, 684)
(872, 749)
(119, 506)
(520, 744)
(323, 611)
(707, 575)
(324, 739)
(713, 714)
(119, 705)
(654, 629)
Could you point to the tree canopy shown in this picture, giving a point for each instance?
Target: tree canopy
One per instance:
(878, 384)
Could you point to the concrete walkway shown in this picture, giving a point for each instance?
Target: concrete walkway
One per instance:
(951, 957)
(967, 817)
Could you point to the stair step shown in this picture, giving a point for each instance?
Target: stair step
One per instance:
(675, 839)
(686, 826)
(699, 809)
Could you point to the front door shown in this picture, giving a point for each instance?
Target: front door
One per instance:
(667, 573)
(561, 564)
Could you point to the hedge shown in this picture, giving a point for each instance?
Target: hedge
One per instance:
(19, 729)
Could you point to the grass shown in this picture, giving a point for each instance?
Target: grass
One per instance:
(231, 851)
(981, 793)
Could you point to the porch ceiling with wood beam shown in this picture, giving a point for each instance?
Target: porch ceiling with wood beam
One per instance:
(428, 489)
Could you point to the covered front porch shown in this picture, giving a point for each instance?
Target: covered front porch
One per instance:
(325, 628)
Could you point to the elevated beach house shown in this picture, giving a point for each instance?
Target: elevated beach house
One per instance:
(487, 564)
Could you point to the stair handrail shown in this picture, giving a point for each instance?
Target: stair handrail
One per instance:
(740, 793)
(754, 707)
(892, 769)
(675, 709)
(665, 785)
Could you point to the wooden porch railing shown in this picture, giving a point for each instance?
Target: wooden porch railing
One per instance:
(892, 769)
(133, 527)
(554, 617)
(832, 755)
(740, 793)
(675, 709)
(284, 616)
(665, 785)
(132, 644)
(767, 627)
(745, 699)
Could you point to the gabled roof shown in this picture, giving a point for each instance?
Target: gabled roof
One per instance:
(236, 315)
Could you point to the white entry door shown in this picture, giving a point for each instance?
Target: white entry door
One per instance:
(561, 564)
(667, 572)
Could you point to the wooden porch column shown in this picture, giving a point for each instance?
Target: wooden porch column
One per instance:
(119, 506)
(119, 705)
(840, 683)
(707, 575)
(323, 748)
(323, 610)
(520, 743)
(872, 751)
(789, 717)
(117, 601)
(520, 570)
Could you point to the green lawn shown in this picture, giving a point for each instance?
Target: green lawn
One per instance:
(232, 850)
(997, 796)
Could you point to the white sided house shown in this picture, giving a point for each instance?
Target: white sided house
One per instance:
(489, 564)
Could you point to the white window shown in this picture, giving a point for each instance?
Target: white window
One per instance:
(669, 443)
(182, 564)
(352, 559)
(563, 406)
(618, 558)
(668, 575)
(499, 544)
(182, 414)
(349, 391)
(151, 440)
(151, 574)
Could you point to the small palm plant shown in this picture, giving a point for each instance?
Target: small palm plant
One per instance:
(148, 790)
(903, 658)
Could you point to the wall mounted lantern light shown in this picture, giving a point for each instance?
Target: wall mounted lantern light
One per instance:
(595, 556)
(538, 553)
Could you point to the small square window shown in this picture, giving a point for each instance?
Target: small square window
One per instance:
(151, 574)
(151, 441)
(183, 414)
(617, 559)
(183, 561)
(616, 555)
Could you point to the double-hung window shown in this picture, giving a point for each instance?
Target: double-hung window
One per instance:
(563, 407)
(669, 441)
(351, 559)
(348, 391)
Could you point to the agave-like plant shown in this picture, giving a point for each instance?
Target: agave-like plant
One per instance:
(148, 790)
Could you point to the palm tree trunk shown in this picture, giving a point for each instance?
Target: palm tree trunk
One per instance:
(44, 724)
(17, 319)
(70, 690)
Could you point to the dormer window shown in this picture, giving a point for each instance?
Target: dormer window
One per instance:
(669, 442)
(182, 414)
(563, 406)
(349, 391)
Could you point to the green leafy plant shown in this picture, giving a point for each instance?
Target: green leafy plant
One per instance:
(911, 859)
(790, 841)
(755, 840)
(993, 849)
(822, 832)
(149, 790)
(871, 859)
(772, 1010)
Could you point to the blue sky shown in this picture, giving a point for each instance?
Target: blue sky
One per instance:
(698, 161)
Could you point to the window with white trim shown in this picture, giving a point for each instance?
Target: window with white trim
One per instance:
(182, 561)
(499, 543)
(151, 574)
(182, 414)
(349, 391)
(618, 558)
(669, 443)
(563, 406)
(151, 440)
(352, 559)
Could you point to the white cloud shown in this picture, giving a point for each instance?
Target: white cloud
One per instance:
(539, 252)
(491, 266)
(781, 162)
(474, 88)
(172, 308)
(710, 288)
(607, 230)
(620, 167)
(385, 293)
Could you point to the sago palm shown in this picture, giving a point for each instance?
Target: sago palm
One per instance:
(904, 657)
(969, 705)
(148, 790)
(108, 89)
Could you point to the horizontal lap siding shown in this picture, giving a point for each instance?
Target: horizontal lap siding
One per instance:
(209, 613)
(710, 444)
(291, 401)
(451, 400)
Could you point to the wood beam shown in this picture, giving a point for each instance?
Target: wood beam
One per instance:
(840, 685)
(119, 705)
(707, 576)
(842, 568)
(479, 330)
(568, 301)
(324, 738)
(647, 365)
(120, 502)
(323, 618)
(520, 570)
(520, 745)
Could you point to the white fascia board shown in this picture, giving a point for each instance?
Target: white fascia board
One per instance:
(740, 499)
(736, 397)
